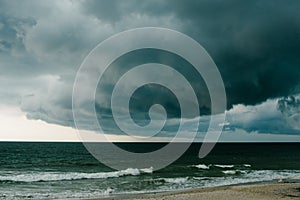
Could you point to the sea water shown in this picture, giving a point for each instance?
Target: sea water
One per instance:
(66, 170)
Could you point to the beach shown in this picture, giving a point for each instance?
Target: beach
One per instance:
(282, 191)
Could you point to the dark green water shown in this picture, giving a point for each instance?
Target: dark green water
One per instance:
(67, 170)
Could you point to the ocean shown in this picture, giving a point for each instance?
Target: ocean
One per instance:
(42, 170)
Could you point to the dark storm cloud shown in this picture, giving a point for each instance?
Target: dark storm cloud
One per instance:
(114, 10)
(255, 44)
(146, 96)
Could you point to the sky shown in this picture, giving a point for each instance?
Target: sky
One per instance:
(254, 44)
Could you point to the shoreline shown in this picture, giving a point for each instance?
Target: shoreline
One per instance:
(264, 191)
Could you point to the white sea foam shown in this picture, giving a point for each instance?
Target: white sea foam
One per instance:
(202, 166)
(234, 172)
(247, 165)
(252, 177)
(176, 180)
(202, 178)
(108, 191)
(147, 170)
(229, 172)
(169, 184)
(243, 177)
(224, 166)
(58, 176)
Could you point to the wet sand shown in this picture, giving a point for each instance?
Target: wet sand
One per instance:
(282, 191)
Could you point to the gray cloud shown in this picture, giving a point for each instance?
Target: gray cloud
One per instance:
(290, 108)
(267, 117)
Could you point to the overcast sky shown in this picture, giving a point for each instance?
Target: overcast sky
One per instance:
(255, 45)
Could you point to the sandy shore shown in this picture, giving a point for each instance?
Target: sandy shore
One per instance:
(282, 191)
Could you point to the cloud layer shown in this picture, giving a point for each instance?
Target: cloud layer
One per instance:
(255, 45)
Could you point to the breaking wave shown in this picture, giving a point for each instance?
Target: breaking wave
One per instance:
(60, 176)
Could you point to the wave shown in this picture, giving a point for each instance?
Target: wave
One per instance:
(224, 166)
(176, 180)
(157, 183)
(108, 191)
(61, 176)
(230, 172)
(202, 178)
(255, 177)
(201, 166)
